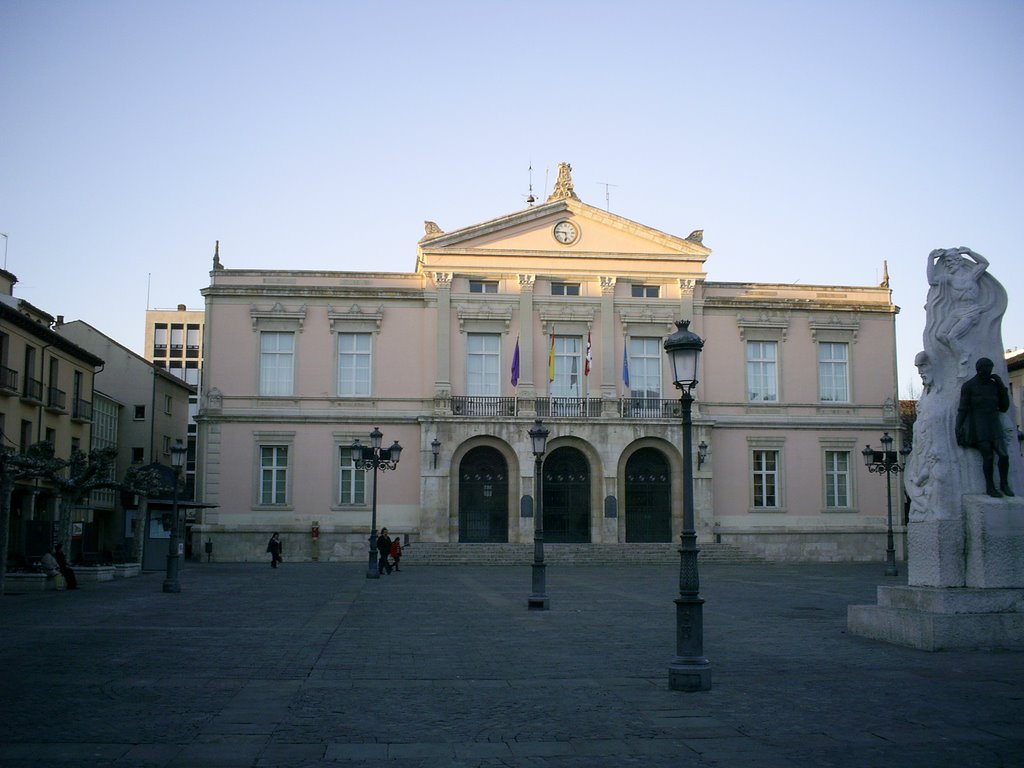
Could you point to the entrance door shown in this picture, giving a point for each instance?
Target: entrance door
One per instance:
(483, 496)
(648, 497)
(566, 497)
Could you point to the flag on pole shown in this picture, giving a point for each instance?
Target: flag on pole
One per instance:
(551, 357)
(589, 359)
(515, 365)
(625, 365)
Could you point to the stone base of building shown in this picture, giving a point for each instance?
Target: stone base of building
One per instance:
(938, 618)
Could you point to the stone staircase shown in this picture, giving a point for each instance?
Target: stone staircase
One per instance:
(450, 553)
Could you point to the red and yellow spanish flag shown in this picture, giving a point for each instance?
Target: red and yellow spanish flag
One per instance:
(551, 357)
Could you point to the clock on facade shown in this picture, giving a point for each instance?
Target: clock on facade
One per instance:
(565, 232)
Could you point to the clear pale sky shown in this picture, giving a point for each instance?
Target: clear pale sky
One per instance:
(811, 141)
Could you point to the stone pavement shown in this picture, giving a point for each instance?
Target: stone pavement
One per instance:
(312, 664)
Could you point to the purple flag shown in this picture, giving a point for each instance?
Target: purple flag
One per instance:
(515, 365)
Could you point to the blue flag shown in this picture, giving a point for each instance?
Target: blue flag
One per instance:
(515, 365)
(625, 366)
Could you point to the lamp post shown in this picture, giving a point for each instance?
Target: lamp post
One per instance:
(374, 457)
(435, 448)
(689, 669)
(538, 600)
(886, 462)
(174, 546)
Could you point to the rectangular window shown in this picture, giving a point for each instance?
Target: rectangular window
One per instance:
(160, 340)
(645, 367)
(177, 339)
(837, 478)
(568, 367)
(354, 364)
(192, 336)
(483, 365)
(277, 363)
(140, 413)
(273, 474)
(138, 455)
(645, 291)
(565, 289)
(483, 286)
(762, 372)
(167, 404)
(26, 435)
(766, 478)
(833, 372)
(351, 481)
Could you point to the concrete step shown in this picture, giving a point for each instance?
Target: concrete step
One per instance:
(450, 553)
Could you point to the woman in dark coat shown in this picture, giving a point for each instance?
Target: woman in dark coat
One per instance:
(383, 550)
(274, 548)
(65, 569)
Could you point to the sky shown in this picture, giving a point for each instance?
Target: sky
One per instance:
(811, 141)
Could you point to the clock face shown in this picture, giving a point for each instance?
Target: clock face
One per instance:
(566, 232)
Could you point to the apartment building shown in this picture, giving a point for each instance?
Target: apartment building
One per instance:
(174, 342)
(558, 311)
(46, 394)
(145, 410)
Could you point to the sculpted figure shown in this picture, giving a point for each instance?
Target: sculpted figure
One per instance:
(982, 400)
(956, 272)
(927, 478)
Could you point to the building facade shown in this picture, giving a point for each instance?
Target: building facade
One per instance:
(557, 312)
(174, 342)
(149, 411)
(46, 395)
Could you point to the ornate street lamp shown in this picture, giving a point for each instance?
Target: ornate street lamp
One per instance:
(886, 462)
(538, 600)
(435, 448)
(175, 544)
(374, 457)
(689, 669)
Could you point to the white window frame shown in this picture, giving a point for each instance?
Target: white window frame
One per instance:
(757, 450)
(282, 469)
(762, 371)
(483, 286)
(357, 479)
(483, 364)
(568, 367)
(277, 364)
(355, 356)
(645, 373)
(833, 372)
(838, 479)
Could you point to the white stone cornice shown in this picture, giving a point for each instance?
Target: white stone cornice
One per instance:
(355, 318)
(278, 314)
(846, 324)
(776, 322)
(484, 317)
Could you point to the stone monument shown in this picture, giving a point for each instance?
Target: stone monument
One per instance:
(965, 544)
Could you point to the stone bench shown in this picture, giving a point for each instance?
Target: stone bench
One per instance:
(127, 570)
(94, 572)
(28, 582)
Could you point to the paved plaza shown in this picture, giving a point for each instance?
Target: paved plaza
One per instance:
(313, 664)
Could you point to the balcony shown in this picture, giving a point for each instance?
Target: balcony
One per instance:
(56, 399)
(8, 380)
(81, 410)
(649, 408)
(485, 406)
(635, 408)
(33, 390)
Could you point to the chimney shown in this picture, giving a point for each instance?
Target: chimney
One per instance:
(182, 307)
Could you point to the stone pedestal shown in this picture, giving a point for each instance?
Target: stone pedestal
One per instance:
(966, 585)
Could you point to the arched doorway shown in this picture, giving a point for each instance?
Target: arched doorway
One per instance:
(566, 497)
(648, 507)
(483, 496)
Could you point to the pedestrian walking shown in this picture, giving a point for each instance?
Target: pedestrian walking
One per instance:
(396, 551)
(274, 548)
(65, 569)
(383, 550)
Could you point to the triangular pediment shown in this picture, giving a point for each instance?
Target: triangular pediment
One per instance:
(586, 233)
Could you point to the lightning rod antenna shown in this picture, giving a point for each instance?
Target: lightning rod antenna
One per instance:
(607, 195)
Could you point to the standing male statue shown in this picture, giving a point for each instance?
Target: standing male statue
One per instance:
(982, 400)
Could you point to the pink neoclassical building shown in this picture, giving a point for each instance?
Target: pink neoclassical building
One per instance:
(559, 312)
